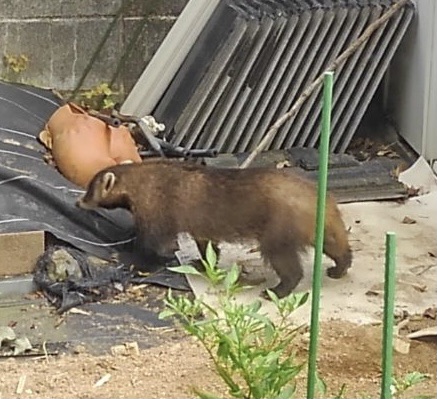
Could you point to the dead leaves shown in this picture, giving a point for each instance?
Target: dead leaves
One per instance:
(365, 149)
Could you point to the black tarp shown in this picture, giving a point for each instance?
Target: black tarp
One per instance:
(33, 194)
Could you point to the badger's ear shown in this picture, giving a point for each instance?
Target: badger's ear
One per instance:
(108, 183)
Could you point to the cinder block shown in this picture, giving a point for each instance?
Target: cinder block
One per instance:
(68, 47)
(19, 252)
(25, 9)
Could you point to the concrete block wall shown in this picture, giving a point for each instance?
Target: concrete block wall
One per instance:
(59, 37)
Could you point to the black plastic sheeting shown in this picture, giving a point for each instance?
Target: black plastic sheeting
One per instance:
(34, 195)
(68, 277)
(76, 281)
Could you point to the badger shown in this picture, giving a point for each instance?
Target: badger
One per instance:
(276, 207)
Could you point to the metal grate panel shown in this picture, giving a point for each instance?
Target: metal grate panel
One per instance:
(255, 57)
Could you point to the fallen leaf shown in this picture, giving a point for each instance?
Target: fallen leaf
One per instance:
(374, 293)
(408, 220)
(283, 164)
(430, 313)
(119, 287)
(432, 254)
(412, 191)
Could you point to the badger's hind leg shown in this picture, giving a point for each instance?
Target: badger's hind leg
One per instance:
(342, 264)
(337, 247)
(285, 260)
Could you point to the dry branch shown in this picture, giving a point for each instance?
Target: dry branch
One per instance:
(316, 83)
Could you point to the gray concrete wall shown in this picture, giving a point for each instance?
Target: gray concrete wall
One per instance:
(59, 37)
(412, 95)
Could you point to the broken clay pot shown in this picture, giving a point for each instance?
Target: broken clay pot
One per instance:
(82, 145)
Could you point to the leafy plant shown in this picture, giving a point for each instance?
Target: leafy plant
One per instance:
(341, 392)
(14, 66)
(101, 94)
(398, 387)
(16, 63)
(251, 353)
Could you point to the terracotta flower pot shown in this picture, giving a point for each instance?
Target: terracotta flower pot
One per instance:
(82, 145)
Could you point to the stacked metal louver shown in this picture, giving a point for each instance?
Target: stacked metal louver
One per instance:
(255, 57)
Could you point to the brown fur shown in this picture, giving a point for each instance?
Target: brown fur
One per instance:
(275, 207)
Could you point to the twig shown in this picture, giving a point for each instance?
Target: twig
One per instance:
(417, 287)
(44, 348)
(102, 381)
(20, 385)
(316, 83)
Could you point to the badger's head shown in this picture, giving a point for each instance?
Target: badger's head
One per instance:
(106, 191)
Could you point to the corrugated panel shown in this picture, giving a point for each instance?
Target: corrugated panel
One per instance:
(255, 57)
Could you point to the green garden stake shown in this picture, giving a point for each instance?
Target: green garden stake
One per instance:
(389, 299)
(320, 227)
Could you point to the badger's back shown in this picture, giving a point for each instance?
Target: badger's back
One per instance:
(223, 204)
(208, 202)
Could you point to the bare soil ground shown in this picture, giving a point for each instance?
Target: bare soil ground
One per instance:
(349, 354)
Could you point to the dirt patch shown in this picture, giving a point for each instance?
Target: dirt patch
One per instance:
(349, 354)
